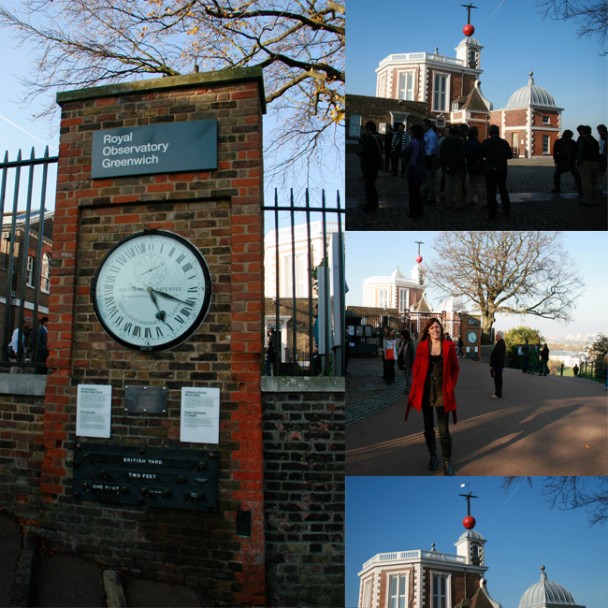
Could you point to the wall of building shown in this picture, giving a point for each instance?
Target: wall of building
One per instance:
(304, 442)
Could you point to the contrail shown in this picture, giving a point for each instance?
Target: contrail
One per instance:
(509, 497)
(493, 13)
(10, 122)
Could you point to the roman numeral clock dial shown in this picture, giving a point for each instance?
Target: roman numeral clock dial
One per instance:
(152, 290)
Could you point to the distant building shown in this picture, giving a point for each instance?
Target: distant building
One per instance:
(397, 291)
(547, 594)
(530, 121)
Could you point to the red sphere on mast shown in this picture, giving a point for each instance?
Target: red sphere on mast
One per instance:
(468, 30)
(469, 522)
(418, 259)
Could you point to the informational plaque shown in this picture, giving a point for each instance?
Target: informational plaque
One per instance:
(200, 415)
(94, 410)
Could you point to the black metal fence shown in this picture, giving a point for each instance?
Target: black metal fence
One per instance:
(25, 258)
(305, 287)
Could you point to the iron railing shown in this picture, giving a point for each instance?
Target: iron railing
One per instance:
(26, 233)
(304, 271)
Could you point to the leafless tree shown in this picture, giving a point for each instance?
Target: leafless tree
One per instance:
(299, 43)
(588, 493)
(523, 273)
(592, 15)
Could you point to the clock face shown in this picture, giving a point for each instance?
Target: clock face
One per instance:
(472, 337)
(152, 290)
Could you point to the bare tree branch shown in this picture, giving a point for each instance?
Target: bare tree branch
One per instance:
(299, 43)
(507, 272)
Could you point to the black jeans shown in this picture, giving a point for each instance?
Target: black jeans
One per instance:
(443, 420)
(371, 194)
(498, 381)
(497, 179)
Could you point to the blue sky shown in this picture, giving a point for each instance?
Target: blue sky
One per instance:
(523, 532)
(516, 40)
(379, 253)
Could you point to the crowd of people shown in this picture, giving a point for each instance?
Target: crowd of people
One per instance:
(27, 347)
(456, 168)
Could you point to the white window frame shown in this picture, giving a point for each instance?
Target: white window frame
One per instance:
(367, 594)
(29, 273)
(404, 299)
(546, 119)
(546, 144)
(383, 297)
(45, 275)
(444, 601)
(399, 600)
(441, 95)
(405, 86)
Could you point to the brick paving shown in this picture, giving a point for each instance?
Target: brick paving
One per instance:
(533, 206)
(543, 426)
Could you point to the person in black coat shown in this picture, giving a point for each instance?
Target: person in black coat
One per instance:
(370, 151)
(496, 152)
(497, 364)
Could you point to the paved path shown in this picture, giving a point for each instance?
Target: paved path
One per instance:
(543, 426)
(529, 183)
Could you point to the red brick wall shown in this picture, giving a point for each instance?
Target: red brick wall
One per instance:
(220, 212)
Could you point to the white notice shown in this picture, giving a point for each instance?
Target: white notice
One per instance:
(200, 419)
(94, 410)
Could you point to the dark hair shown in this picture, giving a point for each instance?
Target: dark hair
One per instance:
(427, 121)
(425, 330)
(370, 125)
(417, 131)
(473, 133)
(567, 134)
(493, 130)
(405, 334)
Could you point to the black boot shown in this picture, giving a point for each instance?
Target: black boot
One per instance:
(447, 468)
(433, 462)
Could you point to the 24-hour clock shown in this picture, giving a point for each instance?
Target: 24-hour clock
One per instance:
(152, 290)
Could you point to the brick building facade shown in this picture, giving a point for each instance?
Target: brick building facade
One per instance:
(530, 121)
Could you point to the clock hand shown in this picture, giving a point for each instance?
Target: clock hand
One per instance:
(170, 296)
(161, 314)
(152, 269)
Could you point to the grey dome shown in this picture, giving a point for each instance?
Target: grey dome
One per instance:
(470, 40)
(546, 594)
(471, 534)
(531, 95)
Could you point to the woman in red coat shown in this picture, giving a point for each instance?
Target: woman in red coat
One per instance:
(435, 374)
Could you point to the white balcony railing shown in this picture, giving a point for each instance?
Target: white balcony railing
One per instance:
(419, 57)
(382, 558)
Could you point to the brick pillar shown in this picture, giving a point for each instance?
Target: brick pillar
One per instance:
(220, 212)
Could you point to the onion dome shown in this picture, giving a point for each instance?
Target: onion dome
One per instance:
(547, 594)
(531, 96)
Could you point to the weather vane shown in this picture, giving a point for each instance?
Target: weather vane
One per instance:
(469, 521)
(468, 29)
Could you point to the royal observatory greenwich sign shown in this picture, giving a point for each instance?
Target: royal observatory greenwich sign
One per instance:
(163, 148)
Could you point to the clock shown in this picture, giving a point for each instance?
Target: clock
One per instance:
(472, 337)
(152, 290)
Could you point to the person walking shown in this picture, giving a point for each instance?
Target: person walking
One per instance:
(407, 356)
(370, 151)
(564, 156)
(435, 374)
(496, 152)
(497, 364)
(19, 347)
(544, 361)
(388, 140)
(389, 350)
(525, 352)
(42, 348)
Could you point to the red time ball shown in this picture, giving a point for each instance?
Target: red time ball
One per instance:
(468, 30)
(418, 259)
(469, 522)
